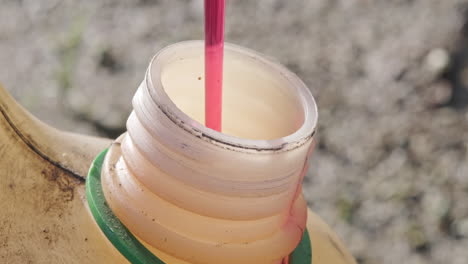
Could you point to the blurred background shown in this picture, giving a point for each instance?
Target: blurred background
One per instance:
(390, 172)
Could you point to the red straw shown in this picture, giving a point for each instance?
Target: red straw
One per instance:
(214, 48)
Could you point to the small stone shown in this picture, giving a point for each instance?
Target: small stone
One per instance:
(439, 93)
(436, 204)
(418, 240)
(462, 227)
(420, 146)
(437, 60)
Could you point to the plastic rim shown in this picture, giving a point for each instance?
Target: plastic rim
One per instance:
(159, 97)
(127, 244)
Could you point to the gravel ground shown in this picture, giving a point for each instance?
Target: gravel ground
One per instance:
(390, 173)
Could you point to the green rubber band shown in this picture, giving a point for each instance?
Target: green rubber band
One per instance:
(127, 244)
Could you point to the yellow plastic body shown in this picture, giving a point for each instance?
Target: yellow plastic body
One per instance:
(44, 217)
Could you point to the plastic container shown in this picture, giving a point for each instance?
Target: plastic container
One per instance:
(190, 194)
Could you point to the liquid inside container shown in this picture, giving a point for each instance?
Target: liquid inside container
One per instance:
(195, 195)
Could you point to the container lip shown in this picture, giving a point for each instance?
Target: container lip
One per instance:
(298, 138)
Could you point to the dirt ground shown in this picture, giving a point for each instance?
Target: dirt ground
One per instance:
(390, 173)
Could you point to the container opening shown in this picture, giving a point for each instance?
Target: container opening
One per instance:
(259, 102)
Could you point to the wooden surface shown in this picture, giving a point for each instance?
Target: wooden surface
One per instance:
(44, 217)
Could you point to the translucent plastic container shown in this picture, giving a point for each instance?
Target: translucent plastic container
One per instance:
(194, 195)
